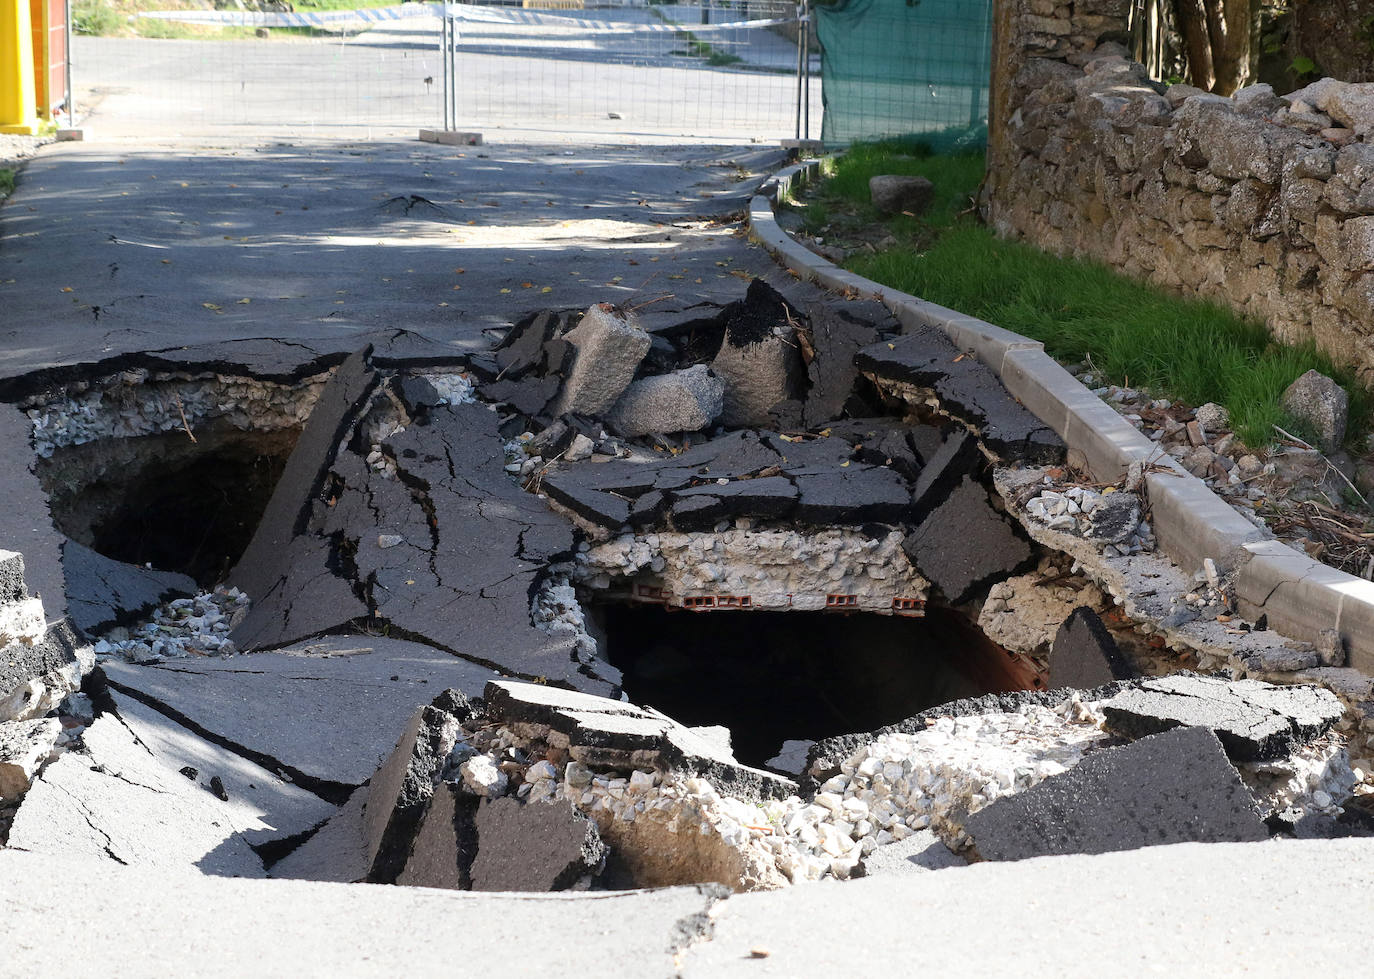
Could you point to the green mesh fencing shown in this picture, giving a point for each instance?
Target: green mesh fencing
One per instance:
(903, 67)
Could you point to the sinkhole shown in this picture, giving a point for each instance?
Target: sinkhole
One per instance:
(776, 676)
(167, 501)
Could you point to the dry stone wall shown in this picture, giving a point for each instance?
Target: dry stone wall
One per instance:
(1262, 203)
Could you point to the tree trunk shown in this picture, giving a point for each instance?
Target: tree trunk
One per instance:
(1192, 23)
(1228, 23)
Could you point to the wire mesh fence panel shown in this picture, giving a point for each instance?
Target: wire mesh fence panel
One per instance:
(387, 76)
(894, 67)
(723, 69)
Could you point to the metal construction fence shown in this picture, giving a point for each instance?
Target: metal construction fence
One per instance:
(727, 70)
(731, 70)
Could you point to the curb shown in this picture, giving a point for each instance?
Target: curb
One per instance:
(1300, 596)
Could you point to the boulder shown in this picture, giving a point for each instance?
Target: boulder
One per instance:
(893, 194)
(760, 359)
(608, 345)
(1319, 402)
(683, 401)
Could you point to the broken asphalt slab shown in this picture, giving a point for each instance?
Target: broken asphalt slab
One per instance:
(967, 390)
(1175, 787)
(601, 730)
(161, 253)
(143, 790)
(327, 714)
(1255, 721)
(102, 592)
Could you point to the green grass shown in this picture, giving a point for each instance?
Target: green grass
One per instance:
(6, 182)
(1133, 333)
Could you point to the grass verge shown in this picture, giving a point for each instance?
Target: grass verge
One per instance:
(1134, 334)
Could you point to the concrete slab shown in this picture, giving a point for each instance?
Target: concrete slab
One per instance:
(328, 713)
(118, 802)
(1175, 787)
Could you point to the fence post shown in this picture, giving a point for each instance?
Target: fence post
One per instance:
(17, 94)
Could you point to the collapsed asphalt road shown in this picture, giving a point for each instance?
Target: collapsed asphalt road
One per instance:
(454, 511)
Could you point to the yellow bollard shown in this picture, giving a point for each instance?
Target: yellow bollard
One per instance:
(18, 108)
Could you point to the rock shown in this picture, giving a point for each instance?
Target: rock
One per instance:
(683, 401)
(608, 346)
(893, 194)
(964, 545)
(24, 747)
(102, 592)
(1330, 648)
(581, 448)
(1175, 787)
(1084, 655)
(759, 359)
(1115, 518)
(1320, 403)
(1254, 720)
(539, 846)
(1213, 417)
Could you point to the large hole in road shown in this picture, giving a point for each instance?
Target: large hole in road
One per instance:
(776, 676)
(165, 501)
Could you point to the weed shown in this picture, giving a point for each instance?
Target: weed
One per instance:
(6, 182)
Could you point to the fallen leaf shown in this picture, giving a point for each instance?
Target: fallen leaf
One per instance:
(206, 305)
(527, 285)
(244, 302)
(66, 288)
(504, 291)
(547, 289)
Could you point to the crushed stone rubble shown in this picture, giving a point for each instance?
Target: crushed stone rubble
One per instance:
(137, 402)
(890, 788)
(1109, 516)
(1263, 484)
(184, 627)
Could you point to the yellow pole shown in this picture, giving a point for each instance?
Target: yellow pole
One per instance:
(17, 100)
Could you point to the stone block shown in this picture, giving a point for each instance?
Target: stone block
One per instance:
(1321, 403)
(683, 401)
(1176, 787)
(760, 359)
(608, 346)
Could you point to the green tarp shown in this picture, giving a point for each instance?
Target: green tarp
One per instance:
(901, 67)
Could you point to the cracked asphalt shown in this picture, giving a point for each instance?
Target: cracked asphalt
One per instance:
(274, 257)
